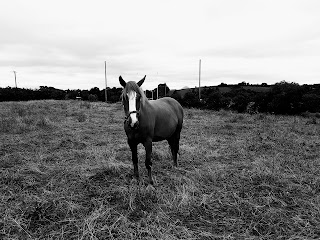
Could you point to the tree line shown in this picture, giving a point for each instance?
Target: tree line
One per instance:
(94, 94)
(44, 92)
(281, 98)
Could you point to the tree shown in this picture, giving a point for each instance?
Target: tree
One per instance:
(214, 101)
(286, 98)
(242, 84)
(310, 102)
(94, 91)
(93, 97)
(240, 98)
(191, 99)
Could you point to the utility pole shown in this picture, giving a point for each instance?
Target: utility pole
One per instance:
(105, 78)
(199, 80)
(15, 77)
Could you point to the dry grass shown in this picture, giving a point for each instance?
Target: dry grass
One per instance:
(65, 173)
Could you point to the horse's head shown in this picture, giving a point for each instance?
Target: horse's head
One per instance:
(131, 99)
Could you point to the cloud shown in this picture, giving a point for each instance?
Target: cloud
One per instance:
(65, 43)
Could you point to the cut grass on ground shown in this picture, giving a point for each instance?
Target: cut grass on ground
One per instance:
(65, 173)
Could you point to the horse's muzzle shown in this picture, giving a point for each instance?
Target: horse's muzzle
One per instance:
(135, 125)
(128, 121)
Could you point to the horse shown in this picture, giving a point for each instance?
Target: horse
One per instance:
(148, 121)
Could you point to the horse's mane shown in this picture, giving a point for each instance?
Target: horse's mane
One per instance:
(132, 86)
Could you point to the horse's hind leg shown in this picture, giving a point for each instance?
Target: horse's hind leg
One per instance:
(174, 146)
(176, 142)
(171, 142)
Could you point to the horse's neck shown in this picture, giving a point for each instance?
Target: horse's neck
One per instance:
(145, 105)
(144, 102)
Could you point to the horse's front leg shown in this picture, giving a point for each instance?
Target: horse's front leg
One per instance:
(148, 147)
(134, 150)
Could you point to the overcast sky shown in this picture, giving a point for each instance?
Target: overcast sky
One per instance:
(64, 43)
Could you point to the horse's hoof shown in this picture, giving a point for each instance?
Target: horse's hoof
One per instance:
(150, 188)
(175, 164)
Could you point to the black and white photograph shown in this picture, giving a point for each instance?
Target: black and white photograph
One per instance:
(160, 119)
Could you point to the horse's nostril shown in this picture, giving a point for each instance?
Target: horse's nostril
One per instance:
(135, 125)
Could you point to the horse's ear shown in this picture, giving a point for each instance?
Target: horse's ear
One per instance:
(141, 81)
(122, 82)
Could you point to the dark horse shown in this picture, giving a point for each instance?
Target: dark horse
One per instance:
(150, 121)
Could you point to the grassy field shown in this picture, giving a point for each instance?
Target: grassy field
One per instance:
(65, 173)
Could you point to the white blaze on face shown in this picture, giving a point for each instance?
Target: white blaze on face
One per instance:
(132, 107)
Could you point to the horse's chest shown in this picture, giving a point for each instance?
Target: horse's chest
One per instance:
(135, 135)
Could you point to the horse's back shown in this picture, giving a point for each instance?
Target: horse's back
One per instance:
(168, 105)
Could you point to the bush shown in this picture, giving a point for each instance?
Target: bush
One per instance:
(311, 102)
(93, 97)
(214, 101)
(286, 98)
(191, 99)
(240, 99)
